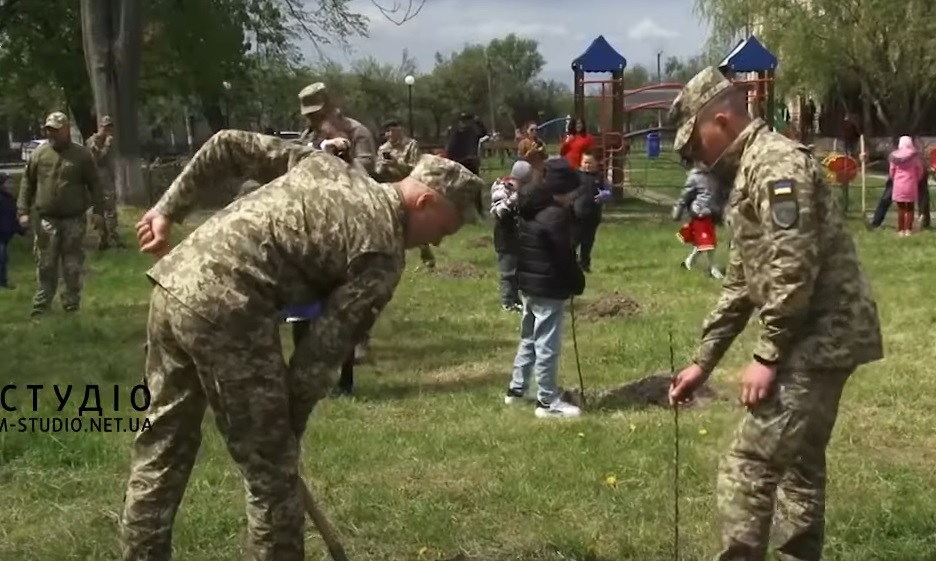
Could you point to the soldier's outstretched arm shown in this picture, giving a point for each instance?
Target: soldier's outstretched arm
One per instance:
(348, 313)
(229, 154)
(785, 194)
(728, 319)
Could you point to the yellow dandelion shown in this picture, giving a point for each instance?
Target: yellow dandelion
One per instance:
(703, 432)
(581, 435)
(610, 481)
(632, 427)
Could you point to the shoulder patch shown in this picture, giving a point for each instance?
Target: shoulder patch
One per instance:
(784, 209)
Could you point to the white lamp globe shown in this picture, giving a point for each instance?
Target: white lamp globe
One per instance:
(409, 80)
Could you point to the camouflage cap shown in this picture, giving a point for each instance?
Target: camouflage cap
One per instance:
(695, 95)
(105, 121)
(453, 181)
(56, 120)
(313, 98)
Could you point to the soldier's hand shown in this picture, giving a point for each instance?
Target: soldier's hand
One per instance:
(335, 145)
(756, 383)
(24, 221)
(686, 383)
(153, 233)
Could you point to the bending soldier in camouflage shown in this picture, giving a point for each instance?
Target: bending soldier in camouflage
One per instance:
(794, 263)
(395, 158)
(59, 184)
(323, 232)
(100, 145)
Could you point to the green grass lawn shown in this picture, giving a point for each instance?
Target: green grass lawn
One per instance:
(427, 461)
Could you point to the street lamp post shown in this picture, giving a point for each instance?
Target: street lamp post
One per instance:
(410, 80)
(227, 103)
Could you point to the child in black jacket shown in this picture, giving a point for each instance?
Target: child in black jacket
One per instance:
(9, 226)
(548, 275)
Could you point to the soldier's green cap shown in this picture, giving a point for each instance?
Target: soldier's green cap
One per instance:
(56, 120)
(105, 121)
(696, 94)
(313, 98)
(451, 180)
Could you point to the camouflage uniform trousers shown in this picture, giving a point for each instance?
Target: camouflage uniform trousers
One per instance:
(58, 247)
(778, 457)
(260, 409)
(108, 229)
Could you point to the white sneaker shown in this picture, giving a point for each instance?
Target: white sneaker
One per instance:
(557, 409)
(715, 273)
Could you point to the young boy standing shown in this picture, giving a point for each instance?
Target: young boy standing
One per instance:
(548, 275)
(586, 208)
(504, 209)
(699, 232)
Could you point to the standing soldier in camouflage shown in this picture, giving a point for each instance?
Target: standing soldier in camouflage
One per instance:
(395, 159)
(323, 232)
(325, 120)
(794, 263)
(100, 145)
(319, 110)
(59, 184)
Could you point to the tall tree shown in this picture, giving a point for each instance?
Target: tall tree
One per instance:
(885, 51)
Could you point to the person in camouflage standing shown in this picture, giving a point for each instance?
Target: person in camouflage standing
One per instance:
(794, 262)
(325, 120)
(100, 147)
(395, 158)
(59, 184)
(320, 111)
(323, 232)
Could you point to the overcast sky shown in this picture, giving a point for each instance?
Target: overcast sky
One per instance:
(638, 29)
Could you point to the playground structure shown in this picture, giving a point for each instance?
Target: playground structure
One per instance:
(751, 66)
(601, 58)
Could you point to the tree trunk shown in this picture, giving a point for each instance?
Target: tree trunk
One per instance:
(112, 35)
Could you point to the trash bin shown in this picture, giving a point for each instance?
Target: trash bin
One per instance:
(653, 145)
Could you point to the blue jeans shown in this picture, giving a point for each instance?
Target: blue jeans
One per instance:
(540, 344)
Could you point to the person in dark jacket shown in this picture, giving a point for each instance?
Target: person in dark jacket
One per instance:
(504, 193)
(591, 195)
(9, 226)
(463, 146)
(548, 275)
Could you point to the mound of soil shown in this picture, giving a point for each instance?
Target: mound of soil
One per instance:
(483, 241)
(651, 390)
(457, 270)
(614, 305)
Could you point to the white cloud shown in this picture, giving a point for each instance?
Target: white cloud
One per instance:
(649, 29)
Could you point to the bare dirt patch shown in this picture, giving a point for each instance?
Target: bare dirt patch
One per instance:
(481, 242)
(607, 306)
(651, 390)
(457, 270)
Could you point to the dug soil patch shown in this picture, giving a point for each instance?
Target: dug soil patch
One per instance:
(652, 390)
(481, 242)
(457, 270)
(608, 306)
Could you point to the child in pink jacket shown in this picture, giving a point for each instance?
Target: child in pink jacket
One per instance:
(906, 170)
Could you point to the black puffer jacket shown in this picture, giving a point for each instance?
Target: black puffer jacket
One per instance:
(546, 264)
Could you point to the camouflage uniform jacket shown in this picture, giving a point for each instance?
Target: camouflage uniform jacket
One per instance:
(402, 160)
(103, 158)
(793, 261)
(323, 232)
(60, 183)
(363, 145)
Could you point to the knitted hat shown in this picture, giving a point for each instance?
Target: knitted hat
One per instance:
(558, 177)
(521, 171)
